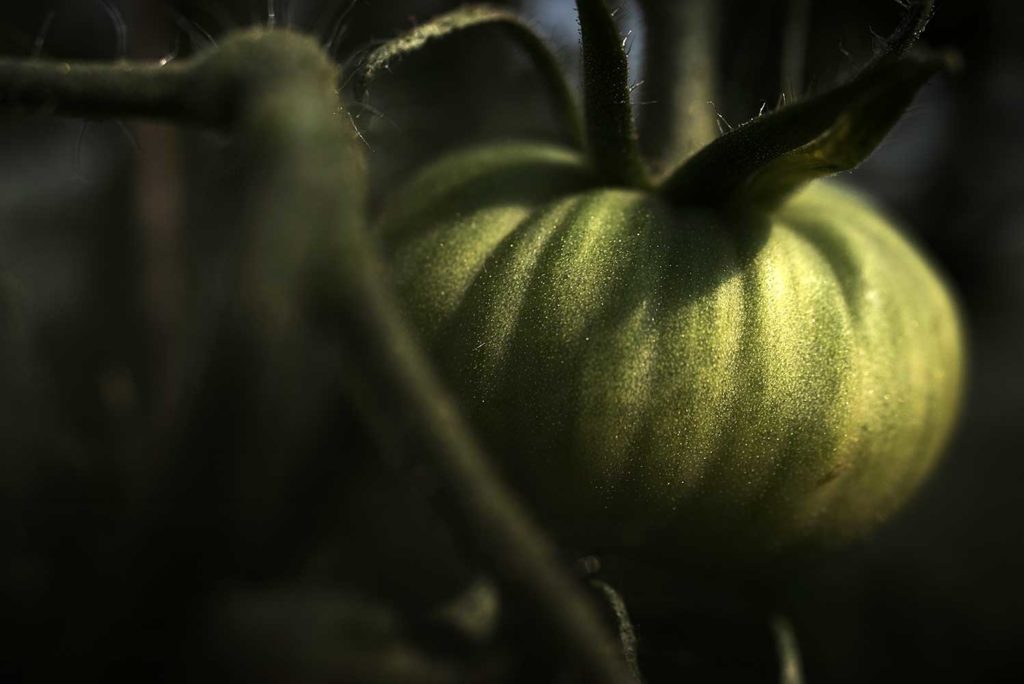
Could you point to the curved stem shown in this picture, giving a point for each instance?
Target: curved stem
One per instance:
(470, 17)
(680, 72)
(627, 634)
(911, 26)
(277, 90)
(611, 131)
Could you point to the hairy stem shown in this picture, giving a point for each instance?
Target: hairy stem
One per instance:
(467, 18)
(104, 90)
(611, 131)
(680, 71)
(616, 605)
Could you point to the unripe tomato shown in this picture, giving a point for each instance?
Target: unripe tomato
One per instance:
(677, 381)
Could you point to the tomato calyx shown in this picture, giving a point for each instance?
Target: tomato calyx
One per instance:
(762, 162)
(758, 164)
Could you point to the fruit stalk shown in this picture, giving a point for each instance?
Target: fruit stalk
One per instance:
(611, 131)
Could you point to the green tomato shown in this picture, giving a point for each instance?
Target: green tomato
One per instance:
(671, 381)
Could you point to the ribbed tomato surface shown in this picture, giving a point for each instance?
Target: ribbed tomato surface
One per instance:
(671, 380)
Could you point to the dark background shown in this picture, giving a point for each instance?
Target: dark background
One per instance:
(93, 238)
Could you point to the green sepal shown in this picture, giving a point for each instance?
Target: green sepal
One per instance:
(611, 129)
(763, 161)
(470, 17)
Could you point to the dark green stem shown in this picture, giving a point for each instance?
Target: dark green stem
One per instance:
(277, 92)
(105, 90)
(680, 75)
(611, 131)
(470, 17)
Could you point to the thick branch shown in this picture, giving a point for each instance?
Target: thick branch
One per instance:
(277, 90)
(313, 176)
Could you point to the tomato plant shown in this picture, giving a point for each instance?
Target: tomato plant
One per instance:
(733, 359)
(725, 360)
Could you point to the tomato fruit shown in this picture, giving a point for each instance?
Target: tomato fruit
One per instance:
(672, 378)
(732, 361)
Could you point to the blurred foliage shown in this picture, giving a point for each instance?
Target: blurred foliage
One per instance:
(313, 558)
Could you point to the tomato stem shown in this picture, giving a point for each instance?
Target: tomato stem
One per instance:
(104, 90)
(616, 605)
(680, 74)
(912, 25)
(611, 130)
(472, 17)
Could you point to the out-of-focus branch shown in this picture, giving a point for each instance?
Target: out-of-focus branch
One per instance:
(276, 92)
(104, 90)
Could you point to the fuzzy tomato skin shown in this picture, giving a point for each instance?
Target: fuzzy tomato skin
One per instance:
(672, 381)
